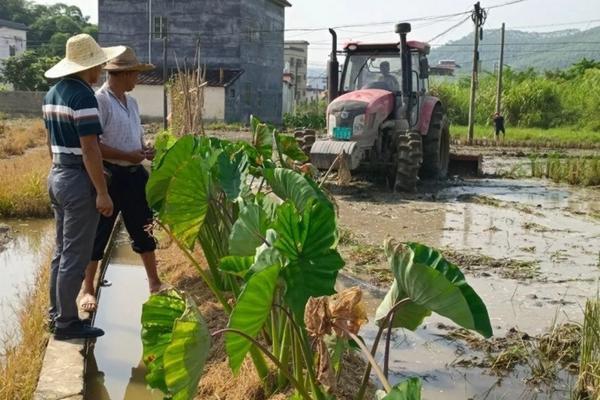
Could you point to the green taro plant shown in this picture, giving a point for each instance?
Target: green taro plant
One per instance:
(269, 235)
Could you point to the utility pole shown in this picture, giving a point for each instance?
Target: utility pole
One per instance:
(165, 79)
(500, 67)
(478, 16)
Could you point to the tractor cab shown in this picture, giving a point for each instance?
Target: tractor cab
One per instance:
(379, 66)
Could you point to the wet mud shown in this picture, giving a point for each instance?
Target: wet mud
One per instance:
(531, 250)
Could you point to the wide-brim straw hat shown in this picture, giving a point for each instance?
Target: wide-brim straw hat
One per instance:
(83, 53)
(128, 62)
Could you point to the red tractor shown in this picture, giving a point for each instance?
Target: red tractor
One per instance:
(381, 115)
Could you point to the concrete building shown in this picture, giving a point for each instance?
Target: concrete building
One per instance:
(296, 63)
(13, 39)
(233, 35)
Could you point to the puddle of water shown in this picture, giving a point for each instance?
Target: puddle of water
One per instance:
(565, 245)
(428, 355)
(115, 369)
(19, 263)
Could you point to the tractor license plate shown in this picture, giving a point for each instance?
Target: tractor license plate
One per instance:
(342, 133)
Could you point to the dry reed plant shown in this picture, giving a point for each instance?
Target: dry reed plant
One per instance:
(187, 98)
(588, 383)
(23, 190)
(18, 135)
(21, 360)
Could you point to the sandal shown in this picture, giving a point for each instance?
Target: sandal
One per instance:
(88, 303)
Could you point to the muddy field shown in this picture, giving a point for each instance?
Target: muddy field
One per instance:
(530, 248)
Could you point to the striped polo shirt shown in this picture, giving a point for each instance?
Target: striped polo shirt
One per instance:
(70, 111)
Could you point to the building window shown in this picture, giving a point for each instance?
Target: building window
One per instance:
(12, 50)
(232, 93)
(159, 29)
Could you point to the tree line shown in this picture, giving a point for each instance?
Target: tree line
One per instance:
(569, 97)
(49, 27)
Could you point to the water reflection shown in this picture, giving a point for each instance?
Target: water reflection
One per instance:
(20, 260)
(114, 370)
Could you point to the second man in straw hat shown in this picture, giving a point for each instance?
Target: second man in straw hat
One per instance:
(123, 150)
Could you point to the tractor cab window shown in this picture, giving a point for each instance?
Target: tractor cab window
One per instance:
(368, 71)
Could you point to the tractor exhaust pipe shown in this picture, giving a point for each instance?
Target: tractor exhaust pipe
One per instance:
(403, 29)
(333, 68)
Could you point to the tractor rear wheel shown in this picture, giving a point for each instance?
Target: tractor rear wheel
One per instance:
(409, 158)
(436, 146)
(305, 138)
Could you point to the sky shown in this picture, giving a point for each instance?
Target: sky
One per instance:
(378, 17)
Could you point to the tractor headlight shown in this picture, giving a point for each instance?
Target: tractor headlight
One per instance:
(331, 123)
(358, 127)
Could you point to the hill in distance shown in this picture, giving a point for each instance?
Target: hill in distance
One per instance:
(541, 51)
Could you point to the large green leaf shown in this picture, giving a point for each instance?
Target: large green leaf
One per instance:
(236, 265)
(187, 201)
(262, 139)
(432, 284)
(250, 313)
(307, 242)
(232, 173)
(291, 185)
(164, 141)
(409, 389)
(176, 344)
(288, 145)
(173, 160)
(248, 232)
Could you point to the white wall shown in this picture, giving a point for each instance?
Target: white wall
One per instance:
(288, 98)
(150, 100)
(12, 37)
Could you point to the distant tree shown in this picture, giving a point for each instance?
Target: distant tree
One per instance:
(26, 71)
(49, 29)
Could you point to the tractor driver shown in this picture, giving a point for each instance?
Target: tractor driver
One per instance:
(388, 78)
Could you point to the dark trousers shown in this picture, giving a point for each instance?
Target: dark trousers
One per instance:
(73, 201)
(127, 189)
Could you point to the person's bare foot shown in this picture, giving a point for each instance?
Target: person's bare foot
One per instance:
(156, 287)
(88, 303)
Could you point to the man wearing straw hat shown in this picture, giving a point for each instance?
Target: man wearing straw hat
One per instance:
(76, 183)
(123, 151)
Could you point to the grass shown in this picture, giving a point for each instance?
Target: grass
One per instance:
(566, 137)
(21, 360)
(23, 191)
(19, 135)
(574, 171)
(224, 126)
(588, 383)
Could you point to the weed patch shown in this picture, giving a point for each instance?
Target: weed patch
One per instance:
(23, 190)
(588, 383)
(16, 136)
(574, 171)
(21, 360)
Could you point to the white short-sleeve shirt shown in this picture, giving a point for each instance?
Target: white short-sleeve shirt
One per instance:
(121, 124)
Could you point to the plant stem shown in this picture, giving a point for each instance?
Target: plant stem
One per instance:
(390, 315)
(207, 280)
(300, 388)
(378, 372)
(284, 354)
(386, 355)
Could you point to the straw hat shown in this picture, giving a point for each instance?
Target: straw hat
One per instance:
(127, 62)
(82, 53)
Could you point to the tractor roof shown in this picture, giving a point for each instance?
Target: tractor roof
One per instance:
(387, 47)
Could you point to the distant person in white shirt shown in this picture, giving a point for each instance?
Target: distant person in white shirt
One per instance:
(123, 150)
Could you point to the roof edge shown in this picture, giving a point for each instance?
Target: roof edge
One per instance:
(283, 3)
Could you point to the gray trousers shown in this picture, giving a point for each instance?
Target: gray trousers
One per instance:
(73, 201)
